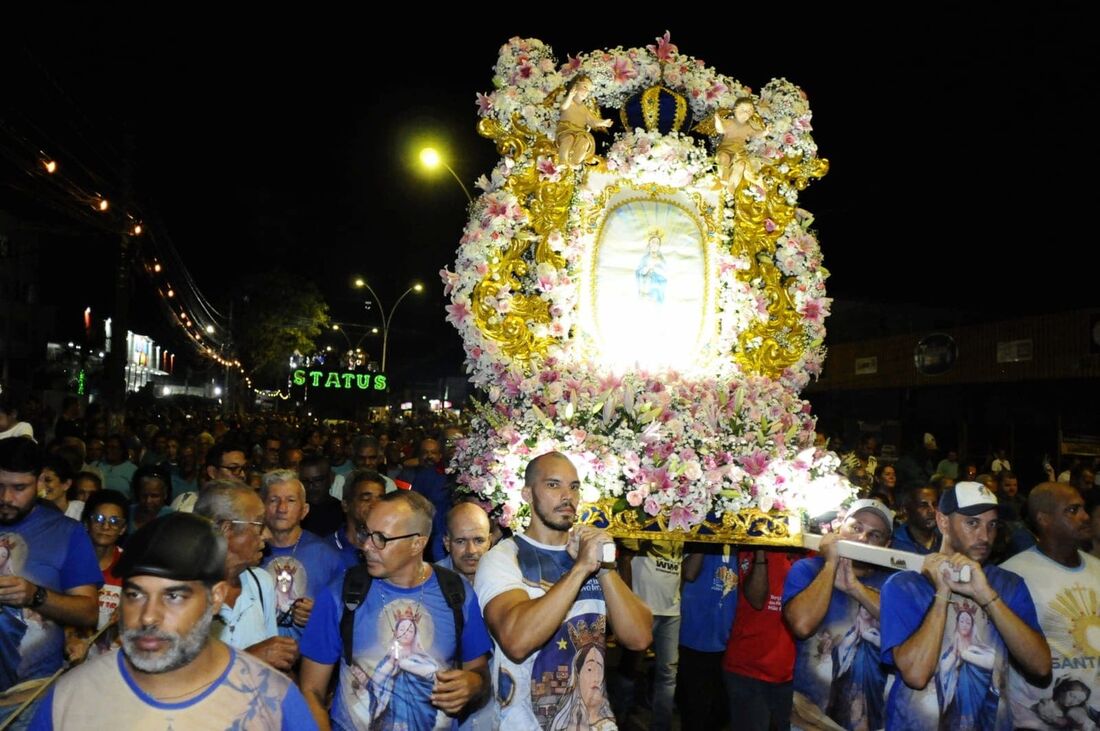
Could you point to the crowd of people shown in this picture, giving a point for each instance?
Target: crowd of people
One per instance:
(184, 570)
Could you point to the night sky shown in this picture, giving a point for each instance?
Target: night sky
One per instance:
(960, 144)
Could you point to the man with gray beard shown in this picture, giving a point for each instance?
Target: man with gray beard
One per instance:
(170, 672)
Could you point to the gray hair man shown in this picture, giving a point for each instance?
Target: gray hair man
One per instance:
(301, 563)
(247, 618)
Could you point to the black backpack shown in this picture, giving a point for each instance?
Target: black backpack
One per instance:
(357, 583)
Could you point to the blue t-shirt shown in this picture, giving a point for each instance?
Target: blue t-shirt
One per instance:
(968, 689)
(348, 551)
(401, 638)
(903, 541)
(433, 484)
(707, 605)
(300, 571)
(180, 485)
(117, 476)
(52, 551)
(838, 668)
(102, 693)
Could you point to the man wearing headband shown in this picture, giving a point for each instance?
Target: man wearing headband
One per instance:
(832, 607)
(949, 638)
(169, 672)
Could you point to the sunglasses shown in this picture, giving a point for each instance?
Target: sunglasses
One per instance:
(111, 521)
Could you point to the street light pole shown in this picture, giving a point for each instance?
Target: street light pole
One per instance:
(387, 318)
(431, 158)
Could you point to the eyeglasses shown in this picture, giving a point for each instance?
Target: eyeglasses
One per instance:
(254, 523)
(236, 469)
(108, 521)
(380, 539)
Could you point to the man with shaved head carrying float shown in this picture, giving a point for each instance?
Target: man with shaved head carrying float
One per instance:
(548, 597)
(170, 672)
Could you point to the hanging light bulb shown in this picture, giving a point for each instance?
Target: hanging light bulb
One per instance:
(157, 267)
(50, 165)
(137, 230)
(103, 205)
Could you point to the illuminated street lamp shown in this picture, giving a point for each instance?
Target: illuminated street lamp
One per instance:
(430, 159)
(361, 283)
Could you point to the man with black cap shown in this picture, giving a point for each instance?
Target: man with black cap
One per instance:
(169, 672)
(959, 630)
(832, 606)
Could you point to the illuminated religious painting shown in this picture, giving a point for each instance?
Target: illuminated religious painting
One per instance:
(651, 307)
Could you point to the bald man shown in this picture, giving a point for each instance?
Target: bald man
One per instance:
(466, 540)
(548, 598)
(1064, 582)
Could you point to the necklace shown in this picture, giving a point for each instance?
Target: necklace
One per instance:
(406, 619)
(191, 692)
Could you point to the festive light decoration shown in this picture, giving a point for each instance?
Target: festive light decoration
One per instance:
(336, 379)
(273, 394)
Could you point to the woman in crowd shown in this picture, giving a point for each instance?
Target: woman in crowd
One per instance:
(53, 486)
(105, 520)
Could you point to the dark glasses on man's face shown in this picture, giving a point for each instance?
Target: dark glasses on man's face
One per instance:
(112, 521)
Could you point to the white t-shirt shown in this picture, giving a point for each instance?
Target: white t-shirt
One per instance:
(550, 700)
(337, 489)
(1067, 601)
(21, 429)
(74, 509)
(655, 576)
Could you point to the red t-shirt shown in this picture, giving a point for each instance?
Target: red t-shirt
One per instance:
(760, 644)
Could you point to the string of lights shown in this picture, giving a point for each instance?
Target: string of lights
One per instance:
(71, 188)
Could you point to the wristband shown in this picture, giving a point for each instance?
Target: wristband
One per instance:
(995, 598)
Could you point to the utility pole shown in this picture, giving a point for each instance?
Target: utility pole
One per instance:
(227, 351)
(114, 384)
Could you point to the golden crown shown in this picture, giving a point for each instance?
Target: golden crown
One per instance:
(583, 634)
(406, 613)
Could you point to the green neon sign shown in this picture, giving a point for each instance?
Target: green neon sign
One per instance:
(336, 379)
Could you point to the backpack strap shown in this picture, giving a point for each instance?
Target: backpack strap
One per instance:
(259, 591)
(454, 591)
(357, 583)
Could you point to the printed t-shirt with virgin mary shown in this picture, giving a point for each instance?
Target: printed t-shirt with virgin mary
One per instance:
(970, 684)
(300, 571)
(52, 551)
(838, 669)
(561, 685)
(1068, 602)
(402, 637)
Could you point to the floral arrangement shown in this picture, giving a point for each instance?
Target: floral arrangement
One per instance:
(686, 445)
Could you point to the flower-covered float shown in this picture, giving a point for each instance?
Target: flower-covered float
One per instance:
(653, 312)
